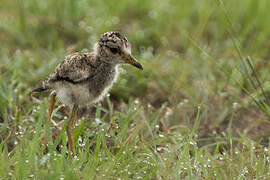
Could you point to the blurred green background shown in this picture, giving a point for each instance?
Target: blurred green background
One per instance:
(193, 53)
(185, 47)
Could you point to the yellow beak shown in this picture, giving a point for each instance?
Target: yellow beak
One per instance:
(128, 58)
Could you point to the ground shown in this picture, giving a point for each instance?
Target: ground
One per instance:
(198, 110)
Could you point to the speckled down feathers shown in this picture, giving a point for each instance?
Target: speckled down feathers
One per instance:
(75, 67)
(85, 78)
(82, 79)
(113, 37)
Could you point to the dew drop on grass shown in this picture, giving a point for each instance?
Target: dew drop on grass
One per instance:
(18, 51)
(82, 24)
(137, 101)
(76, 158)
(191, 143)
(220, 158)
(161, 135)
(107, 135)
(180, 104)
(167, 114)
(157, 126)
(44, 159)
(223, 133)
(27, 161)
(97, 120)
(80, 139)
(235, 105)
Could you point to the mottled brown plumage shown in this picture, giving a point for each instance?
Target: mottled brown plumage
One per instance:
(84, 78)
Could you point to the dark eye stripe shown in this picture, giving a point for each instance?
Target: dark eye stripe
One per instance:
(114, 50)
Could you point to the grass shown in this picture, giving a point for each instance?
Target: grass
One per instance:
(199, 110)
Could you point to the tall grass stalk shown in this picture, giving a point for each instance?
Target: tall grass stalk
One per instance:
(249, 69)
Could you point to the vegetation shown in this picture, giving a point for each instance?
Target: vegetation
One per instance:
(199, 110)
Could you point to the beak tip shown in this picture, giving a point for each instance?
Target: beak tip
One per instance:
(140, 66)
(131, 60)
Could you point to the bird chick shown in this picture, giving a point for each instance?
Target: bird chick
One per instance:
(84, 78)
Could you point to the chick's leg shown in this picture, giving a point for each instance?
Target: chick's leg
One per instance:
(51, 105)
(70, 129)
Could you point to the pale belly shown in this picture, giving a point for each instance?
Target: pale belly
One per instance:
(80, 94)
(86, 93)
(74, 94)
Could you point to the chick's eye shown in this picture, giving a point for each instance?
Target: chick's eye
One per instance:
(114, 50)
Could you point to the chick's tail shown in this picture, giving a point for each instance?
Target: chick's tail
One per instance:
(45, 86)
